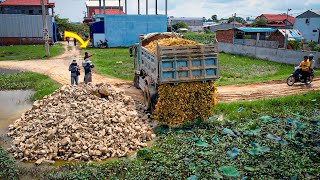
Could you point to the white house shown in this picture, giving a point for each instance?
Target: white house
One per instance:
(308, 24)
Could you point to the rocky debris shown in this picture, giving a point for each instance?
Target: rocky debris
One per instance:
(75, 123)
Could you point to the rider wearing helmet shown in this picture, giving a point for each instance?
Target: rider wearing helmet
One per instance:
(312, 61)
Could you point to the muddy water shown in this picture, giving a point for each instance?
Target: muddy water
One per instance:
(13, 104)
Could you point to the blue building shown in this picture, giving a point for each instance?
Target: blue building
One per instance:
(308, 23)
(123, 30)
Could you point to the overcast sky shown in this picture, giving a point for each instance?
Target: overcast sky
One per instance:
(73, 9)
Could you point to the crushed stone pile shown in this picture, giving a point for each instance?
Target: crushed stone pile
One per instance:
(88, 122)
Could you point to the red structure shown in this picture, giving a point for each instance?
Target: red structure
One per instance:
(25, 3)
(225, 36)
(278, 20)
(30, 7)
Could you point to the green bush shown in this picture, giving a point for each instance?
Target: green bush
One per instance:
(7, 166)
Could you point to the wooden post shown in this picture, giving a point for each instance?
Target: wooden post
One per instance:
(45, 29)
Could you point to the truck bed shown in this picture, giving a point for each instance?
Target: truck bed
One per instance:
(176, 64)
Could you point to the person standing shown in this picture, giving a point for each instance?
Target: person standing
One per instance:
(88, 72)
(75, 41)
(75, 72)
(305, 68)
(68, 40)
(85, 61)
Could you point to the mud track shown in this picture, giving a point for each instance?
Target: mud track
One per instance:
(57, 69)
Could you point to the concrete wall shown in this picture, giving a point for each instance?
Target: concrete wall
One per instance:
(275, 55)
(307, 30)
(124, 30)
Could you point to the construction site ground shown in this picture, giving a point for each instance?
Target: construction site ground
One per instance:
(57, 69)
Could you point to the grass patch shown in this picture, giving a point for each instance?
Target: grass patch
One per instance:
(42, 84)
(234, 69)
(113, 62)
(237, 69)
(269, 139)
(28, 52)
(8, 168)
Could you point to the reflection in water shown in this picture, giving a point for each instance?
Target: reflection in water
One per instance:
(13, 104)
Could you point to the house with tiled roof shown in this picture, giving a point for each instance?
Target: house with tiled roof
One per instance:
(94, 8)
(278, 20)
(22, 22)
(30, 7)
(308, 24)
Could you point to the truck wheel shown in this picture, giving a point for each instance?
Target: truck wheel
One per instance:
(147, 99)
(154, 101)
(136, 81)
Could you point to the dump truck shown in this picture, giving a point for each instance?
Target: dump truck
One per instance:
(171, 65)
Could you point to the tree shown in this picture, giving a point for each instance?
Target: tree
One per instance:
(259, 22)
(64, 24)
(238, 19)
(214, 17)
(179, 25)
(204, 19)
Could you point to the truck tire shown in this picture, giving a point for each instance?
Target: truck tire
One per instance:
(136, 81)
(154, 101)
(147, 99)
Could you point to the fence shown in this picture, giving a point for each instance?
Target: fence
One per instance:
(260, 43)
(276, 55)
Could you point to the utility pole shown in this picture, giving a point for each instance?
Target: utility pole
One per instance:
(286, 36)
(45, 29)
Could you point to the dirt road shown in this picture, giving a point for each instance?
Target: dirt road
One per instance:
(57, 69)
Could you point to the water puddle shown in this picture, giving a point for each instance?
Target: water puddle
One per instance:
(8, 71)
(13, 104)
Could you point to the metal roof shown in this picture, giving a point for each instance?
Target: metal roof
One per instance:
(186, 18)
(24, 3)
(316, 11)
(293, 34)
(257, 30)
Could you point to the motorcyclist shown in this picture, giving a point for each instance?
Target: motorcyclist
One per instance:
(305, 69)
(312, 62)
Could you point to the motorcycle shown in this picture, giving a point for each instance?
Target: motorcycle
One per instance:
(103, 45)
(296, 76)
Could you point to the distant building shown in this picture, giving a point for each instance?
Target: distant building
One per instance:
(224, 26)
(281, 21)
(112, 8)
(308, 23)
(194, 23)
(21, 22)
(29, 7)
(280, 34)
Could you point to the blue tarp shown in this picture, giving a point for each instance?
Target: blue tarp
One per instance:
(257, 30)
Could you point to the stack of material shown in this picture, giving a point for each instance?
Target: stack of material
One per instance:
(152, 46)
(75, 124)
(186, 102)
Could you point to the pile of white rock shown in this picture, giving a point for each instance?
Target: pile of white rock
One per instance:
(88, 122)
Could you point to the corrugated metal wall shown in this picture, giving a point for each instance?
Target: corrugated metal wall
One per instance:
(19, 25)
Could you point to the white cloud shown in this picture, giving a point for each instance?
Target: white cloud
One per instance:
(73, 9)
